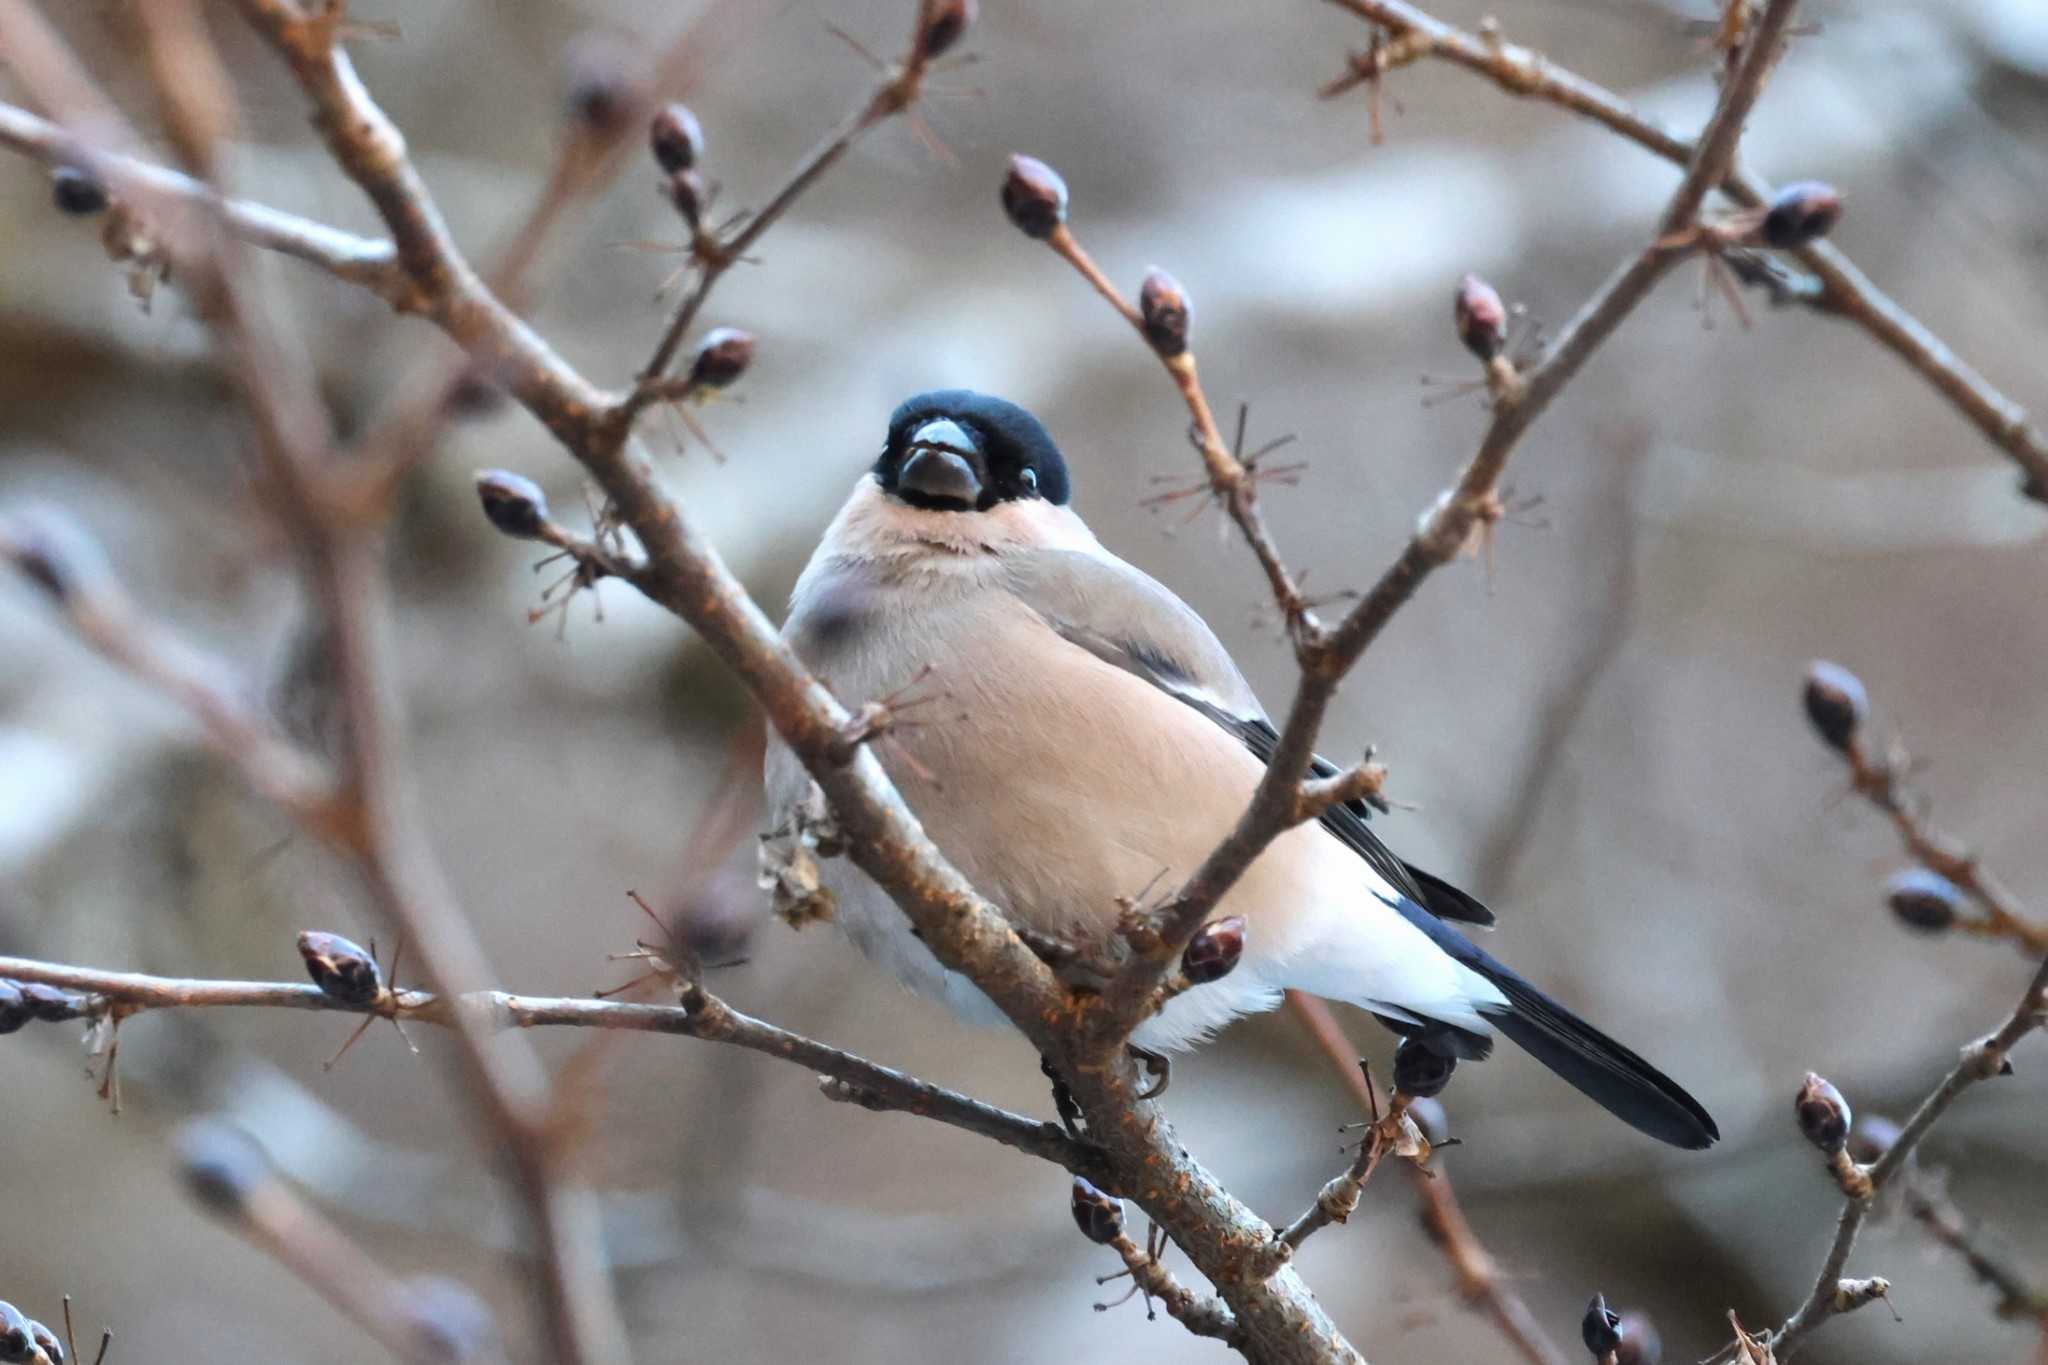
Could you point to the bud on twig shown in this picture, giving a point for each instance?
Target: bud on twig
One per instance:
(722, 357)
(1836, 703)
(449, 1321)
(1600, 1329)
(1100, 1218)
(1213, 952)
(686, 192)
(1164, 307)
(1640, 1344)
(342, 971)
(221, 1165)
(77, 191)
(13, 1009)
(514, 505)
(1420, 1071)
(1801, 213)
(1823, 1114)
(945, 21)
(603, 78)
(1034, 197)
(17, 1333)
(1923, 899)
(676, 139)
(1481, 318)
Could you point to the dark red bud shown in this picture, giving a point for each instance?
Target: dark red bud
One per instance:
(1420, 1071)
(1871, 1136)
(1823, 1114)
(17, 1333)
(1835, 702)
(1801, 213)
(1034, 197)
(1100, 1218)
(1213, 952)
(722, 357)
(514, 505)
(222, 1167)
(1600, 1329)
(1481, 318)
(1640, 1343)
(1923, 899)
(1164, 306)
(943, 25)
(78, 191)
(13, 1008)
(686, 192)
(342, 971)
(676, 138)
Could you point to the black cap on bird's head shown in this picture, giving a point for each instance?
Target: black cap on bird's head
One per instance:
(954, 450)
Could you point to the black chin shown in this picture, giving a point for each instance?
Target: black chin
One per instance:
(926, 502)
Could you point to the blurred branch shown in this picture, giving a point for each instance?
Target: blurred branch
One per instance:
(1845, 291)
(1461, 514)
(364, 261)
(1478, 1280)
(849, 1078)
(2019, 1296)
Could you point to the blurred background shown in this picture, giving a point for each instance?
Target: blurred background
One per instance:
(1601, 736)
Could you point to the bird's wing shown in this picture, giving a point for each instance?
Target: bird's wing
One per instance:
(1126, 618)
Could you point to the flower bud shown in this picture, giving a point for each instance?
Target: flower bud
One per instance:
(1034, 197)
(1823, 1114)
(48, 1004)
(1640, 1344)
(603, 77)
(14, 1011)
(676, 138)
(1600, 1329)
(17, 1333)
(1213, 952)
(341, 970)
(1420, 1071)
(1835, 702)
(47, 1339)
(686, 192)
(77, 191)
(1164, 307)
(514, 505)
(1801, 213)
(1481, 318)
(947, 20)
(1870, 1137)
(449, 1322)
(1100, 1218)
(1923, 899)
(722, 357)
(222, 1167)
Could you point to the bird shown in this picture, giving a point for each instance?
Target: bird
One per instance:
(1104, 738)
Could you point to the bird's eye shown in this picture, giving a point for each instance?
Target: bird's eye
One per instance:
(1029, 479)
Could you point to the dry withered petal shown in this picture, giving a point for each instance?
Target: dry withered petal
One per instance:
(1481, 317)
(676, 138)
(1419, 1071)
(17, 1333)
(686, 192)
(1801, 213)
(47, 1339)
(341, 970)
(1923, 899)
(515, 505)
(49, 1004)
(1871, 1136)
(722, 357)
(1214, 950)
(222, 1167)
(1835, 702)
(1600, 1329)
(1100, 1218)
(1034, 197)
(1640, 1343)
(948, 20)
(77, 191)
(14, 1011)
(1165, 309)
(1823, 1114)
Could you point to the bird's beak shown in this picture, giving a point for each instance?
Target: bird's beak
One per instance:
(943, 464)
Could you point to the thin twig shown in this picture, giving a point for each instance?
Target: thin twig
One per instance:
(1846, 292)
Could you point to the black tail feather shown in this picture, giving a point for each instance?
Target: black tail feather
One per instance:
(1603, 1070)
